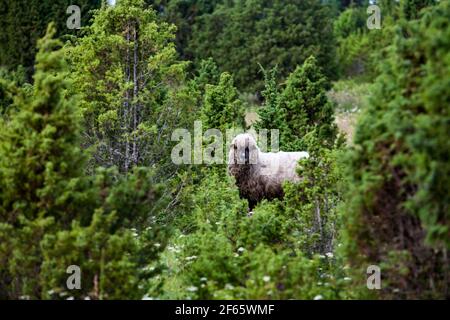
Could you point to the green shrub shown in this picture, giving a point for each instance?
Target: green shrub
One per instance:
(397, 204)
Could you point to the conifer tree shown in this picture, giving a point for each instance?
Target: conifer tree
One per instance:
(25, 21)
(271, 115)
(222, 108)
(300, 109)
(208, 73)
(410, 9)
(40, 169)
(396, 208)
(52, 215)
(132, 87)
(239, 35)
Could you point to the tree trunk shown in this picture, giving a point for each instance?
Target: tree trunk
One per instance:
(135, 94)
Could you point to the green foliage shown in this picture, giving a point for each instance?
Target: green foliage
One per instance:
(86, 176)
(33, 148)
(300, 109)
(271, 114)
(397, 200)
(183, 14)
(222, 108)
(40, 173)
(132, 87)
(208, 73)
(350, 21)
(24, 21)
(52, 215)
(358, 47)
(238, 35)
(410, 9)
(314, 201)
(227, 255)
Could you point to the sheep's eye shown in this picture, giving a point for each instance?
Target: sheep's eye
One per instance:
(235, 147)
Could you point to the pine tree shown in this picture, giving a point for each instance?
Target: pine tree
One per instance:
(208, 73)
(271, 115)
(183, 14)
(410, 9)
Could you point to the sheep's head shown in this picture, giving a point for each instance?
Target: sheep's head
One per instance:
(243, 152)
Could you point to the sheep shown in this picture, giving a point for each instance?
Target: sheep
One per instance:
(260, 175)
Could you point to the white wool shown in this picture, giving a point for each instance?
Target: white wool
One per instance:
(260, 175)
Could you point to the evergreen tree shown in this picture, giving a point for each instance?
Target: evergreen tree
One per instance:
(132, 87)
(208, 73)
(238, 35)
(222, 108)
(301, 109)
(40, 170)
(397, 213)
(410, 9)
(52, 215)
(24, 21)
(271, 115)
(183, 14)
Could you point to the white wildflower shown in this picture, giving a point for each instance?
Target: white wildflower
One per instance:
(191, 258)
(318, 297)
(229, 286)
(192, 288)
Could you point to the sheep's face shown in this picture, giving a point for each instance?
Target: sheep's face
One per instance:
(243, 150)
